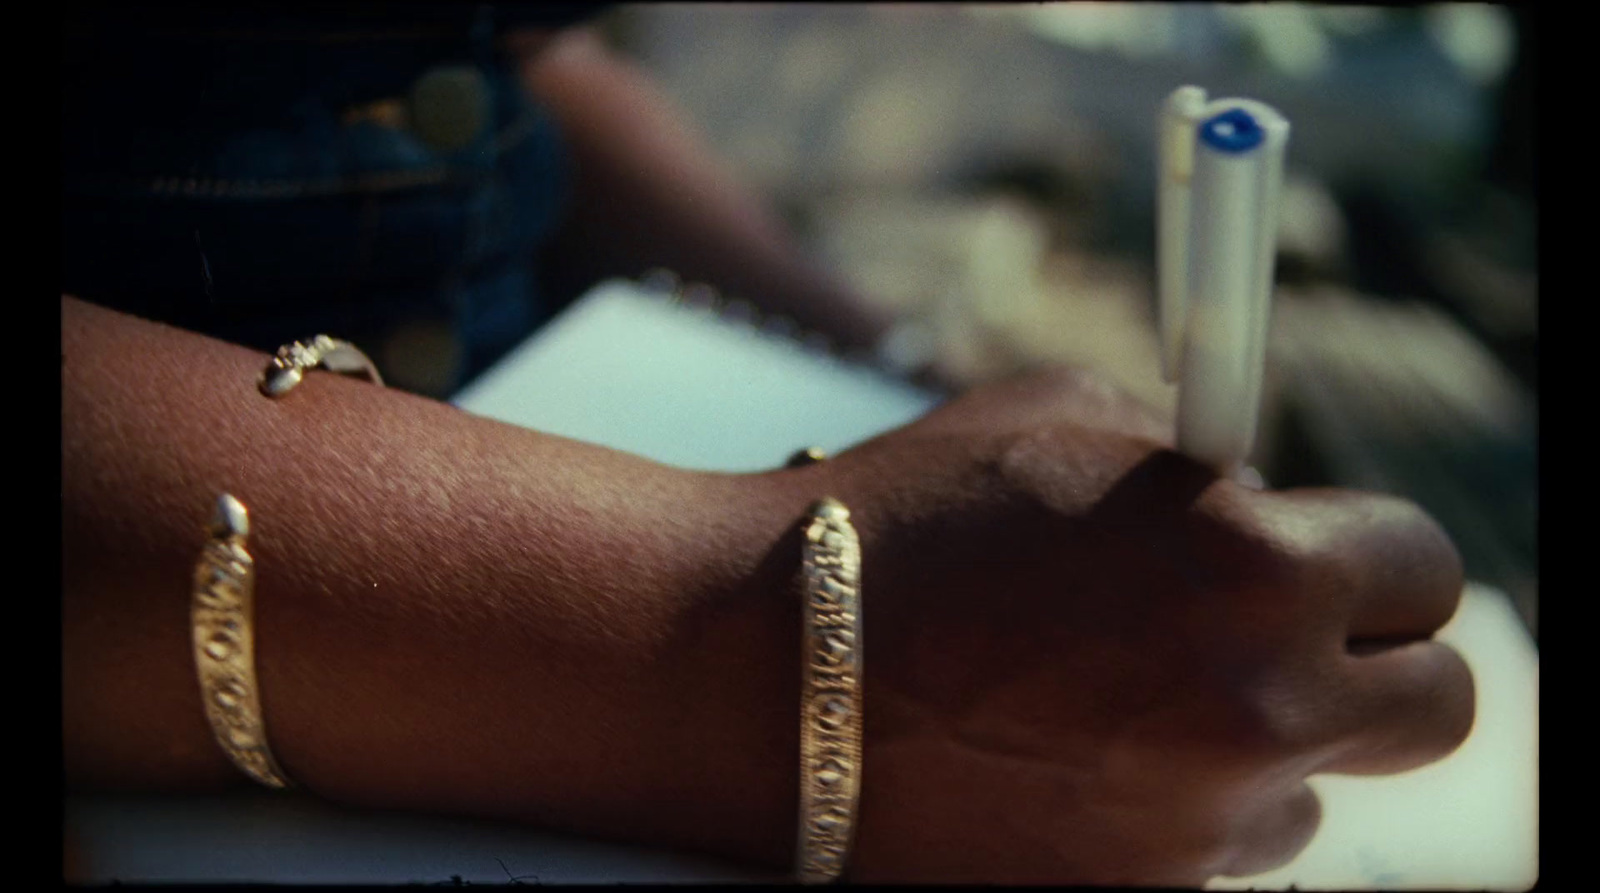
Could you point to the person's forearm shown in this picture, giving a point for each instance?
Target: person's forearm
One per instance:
(451, 613)
(649, 193)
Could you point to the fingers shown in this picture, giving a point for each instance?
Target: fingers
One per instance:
(1380, 560)
(1273, 836)
(1405, 707)
(1412, 576)
(1376, 579)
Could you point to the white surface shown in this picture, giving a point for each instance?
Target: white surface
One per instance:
(630, 370)
(635, 373)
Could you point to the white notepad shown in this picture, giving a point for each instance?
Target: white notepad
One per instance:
(628, 368)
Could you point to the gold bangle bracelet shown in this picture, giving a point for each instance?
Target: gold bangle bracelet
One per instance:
(830, 707)
(224, 644)
(289, 364)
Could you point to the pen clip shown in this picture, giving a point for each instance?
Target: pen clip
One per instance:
(1179, 118)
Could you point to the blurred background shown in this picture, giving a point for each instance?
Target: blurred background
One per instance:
(988, 172)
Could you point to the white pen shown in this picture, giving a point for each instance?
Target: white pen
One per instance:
(1221, 172)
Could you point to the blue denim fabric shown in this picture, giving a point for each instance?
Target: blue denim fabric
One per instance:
(226, 186)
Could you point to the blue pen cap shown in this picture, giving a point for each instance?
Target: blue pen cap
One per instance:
(1235, 130)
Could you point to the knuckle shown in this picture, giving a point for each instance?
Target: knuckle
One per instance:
(1326, 550)
(1426, 538)
(1270, 535)
(1270, 725)
(1269, 557)
(1397, 538)
(1285, 724)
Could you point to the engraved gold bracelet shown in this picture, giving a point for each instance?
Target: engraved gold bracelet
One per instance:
(830, 707)
(290, 363)
(224, 644)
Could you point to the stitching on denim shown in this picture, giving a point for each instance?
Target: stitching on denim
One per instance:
(243, 36)
(390, 181)
(361, 184)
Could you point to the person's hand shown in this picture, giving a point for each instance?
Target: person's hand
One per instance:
(1089, 660)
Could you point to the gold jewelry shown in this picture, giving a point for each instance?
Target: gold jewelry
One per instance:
(290, 363)
(224, 646)
(807, 456)
(830, 705)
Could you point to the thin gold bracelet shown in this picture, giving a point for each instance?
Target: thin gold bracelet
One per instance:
(224, 644)
(830, 708)
(288, 366)
(222, 601)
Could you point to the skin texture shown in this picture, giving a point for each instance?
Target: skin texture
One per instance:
(452, 614)
(1088, 660)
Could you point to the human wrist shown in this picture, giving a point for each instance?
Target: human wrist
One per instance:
(735, 699)
(674, 727)
(451, 614)
(740, 709)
